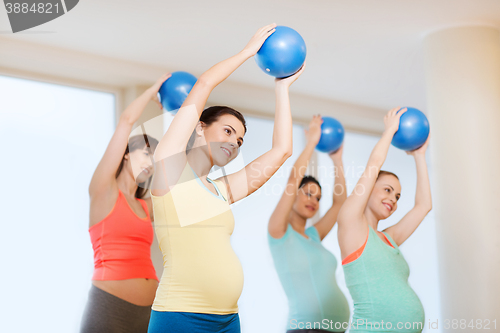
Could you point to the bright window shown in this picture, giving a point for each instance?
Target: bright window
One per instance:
(53, 138)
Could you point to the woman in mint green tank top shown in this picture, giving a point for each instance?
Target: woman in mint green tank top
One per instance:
(376, 272)
(305, 268)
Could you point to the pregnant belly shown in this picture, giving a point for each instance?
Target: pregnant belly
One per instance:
(219, 280)
(400, 308)
(209, 280)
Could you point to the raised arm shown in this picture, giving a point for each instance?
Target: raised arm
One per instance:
(423, 201)
(326, 223)
(354, 206)
(278, 221)
(170, 157)
(256, 173)
(177, 136)
(105, 174)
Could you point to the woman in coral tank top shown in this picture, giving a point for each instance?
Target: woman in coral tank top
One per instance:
(124, 280)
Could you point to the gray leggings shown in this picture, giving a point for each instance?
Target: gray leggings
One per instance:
(106, 313)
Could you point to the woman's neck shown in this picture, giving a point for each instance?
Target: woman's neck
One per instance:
(297, 222)
(126, 183)
(372, 219)
(200, 162)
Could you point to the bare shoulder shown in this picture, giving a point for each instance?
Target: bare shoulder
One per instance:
(277, 233)
(101, 204)
(389, 231)
(352, 235)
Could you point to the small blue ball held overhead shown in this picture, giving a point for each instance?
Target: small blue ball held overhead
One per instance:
(283, 53)
(413, 130)
(332, 135)
(175, 89)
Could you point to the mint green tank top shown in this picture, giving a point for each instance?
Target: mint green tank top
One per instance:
(378, 283)
(307, 273)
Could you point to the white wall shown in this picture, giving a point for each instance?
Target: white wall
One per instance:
(463, 83)
(52, 139)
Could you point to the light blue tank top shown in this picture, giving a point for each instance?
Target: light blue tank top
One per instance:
(378, 283)
(307, 273)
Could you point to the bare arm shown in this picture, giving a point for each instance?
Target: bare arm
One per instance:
(104, 175)
(174, 142)
(351, 219)
(354, 206)
(278, 221)
(326, 223)
(256, 173)
(423, 201)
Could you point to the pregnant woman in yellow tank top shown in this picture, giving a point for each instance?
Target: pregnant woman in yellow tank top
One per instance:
(203, 278)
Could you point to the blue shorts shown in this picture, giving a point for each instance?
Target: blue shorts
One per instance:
(182, 322)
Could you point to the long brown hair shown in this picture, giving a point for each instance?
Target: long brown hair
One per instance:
(139, 142)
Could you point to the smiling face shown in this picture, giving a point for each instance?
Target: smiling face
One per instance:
(384, 197)
(307, 201)
(224, 137)
(138, 162)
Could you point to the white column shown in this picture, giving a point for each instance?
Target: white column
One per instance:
(463, 91)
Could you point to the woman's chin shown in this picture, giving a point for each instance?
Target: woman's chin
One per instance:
(222, 162)
(308, 214)
(385, 215)
(141, 179)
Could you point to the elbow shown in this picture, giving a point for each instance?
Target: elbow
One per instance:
(126, 119)
(425, 207)
(376, 161)
(281, 154)
(204, 81)
(285, 154)
(339, 200)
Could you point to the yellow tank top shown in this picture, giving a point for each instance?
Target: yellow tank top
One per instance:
(202, 274)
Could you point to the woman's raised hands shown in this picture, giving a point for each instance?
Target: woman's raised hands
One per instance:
(258, 39)
(391, 119)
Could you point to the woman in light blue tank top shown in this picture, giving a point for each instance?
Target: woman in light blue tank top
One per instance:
(305, 268)
(376, 272)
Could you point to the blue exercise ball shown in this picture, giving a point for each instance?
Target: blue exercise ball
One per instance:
(283, 53)
(413, 130)
(332, 135)
(175, 89)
